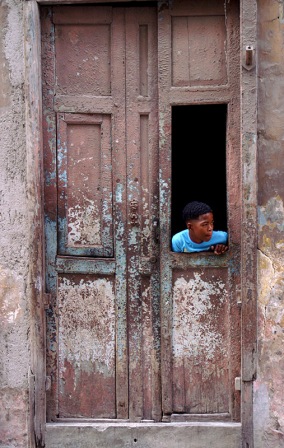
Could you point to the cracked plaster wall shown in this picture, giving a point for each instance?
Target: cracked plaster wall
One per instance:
(269, 391)
(14, 231)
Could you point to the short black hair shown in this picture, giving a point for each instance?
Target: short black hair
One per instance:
(194, 209)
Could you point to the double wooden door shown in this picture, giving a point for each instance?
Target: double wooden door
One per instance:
(133, 330)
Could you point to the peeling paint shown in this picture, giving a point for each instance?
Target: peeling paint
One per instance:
(84, 225)
(200, 339)
(87, 322)
(192, 335)
(86, 352)
(272, 214)
(10, 296)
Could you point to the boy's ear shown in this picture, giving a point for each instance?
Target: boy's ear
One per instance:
(188, 225)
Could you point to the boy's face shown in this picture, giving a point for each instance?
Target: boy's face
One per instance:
(201, 229)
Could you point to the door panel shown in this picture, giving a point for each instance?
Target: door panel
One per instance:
(83, 50)
(101, 195)
(84, 167)
(200, 314)
(200, 341)
(86, 345)
(198, 61)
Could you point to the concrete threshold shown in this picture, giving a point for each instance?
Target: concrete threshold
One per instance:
(143, 435)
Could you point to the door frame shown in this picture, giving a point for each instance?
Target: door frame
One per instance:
(33, 92)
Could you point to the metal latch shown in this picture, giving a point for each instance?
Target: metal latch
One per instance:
(47, 383)
(46, 300)
(249, 57)
(238, 381)
(156, 230)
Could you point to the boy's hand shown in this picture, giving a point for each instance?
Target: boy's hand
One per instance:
(219, 249)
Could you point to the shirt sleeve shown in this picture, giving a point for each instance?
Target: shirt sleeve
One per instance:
(220, 237)
(176, 243)
(225, 238)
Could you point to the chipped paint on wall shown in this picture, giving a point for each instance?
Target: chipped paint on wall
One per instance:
(269, 396)
(270, 345)
(272, 213)
(10, 308)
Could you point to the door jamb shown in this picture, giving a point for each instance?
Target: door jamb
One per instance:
(248, 24)
(35, 292)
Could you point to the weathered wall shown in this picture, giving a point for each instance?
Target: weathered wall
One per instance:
(269, 390)
(14, 232)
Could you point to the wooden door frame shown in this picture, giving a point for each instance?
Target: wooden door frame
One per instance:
(33, 92)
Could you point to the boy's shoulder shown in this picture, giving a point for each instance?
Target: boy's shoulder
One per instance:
(181, 235)
(219, 232)
(220, 236)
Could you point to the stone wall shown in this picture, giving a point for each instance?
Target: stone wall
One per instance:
(269, 390)
(14, 231)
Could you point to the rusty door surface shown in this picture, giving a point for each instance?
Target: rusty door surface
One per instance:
(101, 205)
(200, 313)
(135, 331)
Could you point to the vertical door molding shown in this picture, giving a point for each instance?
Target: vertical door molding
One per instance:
(164, 81)
(249, 218)
(35, 212)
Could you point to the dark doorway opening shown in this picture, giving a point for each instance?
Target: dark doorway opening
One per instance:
(199, 161)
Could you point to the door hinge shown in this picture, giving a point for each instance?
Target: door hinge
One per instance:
(238, 382)
(46, 300)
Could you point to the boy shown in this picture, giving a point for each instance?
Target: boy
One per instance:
(199, 235)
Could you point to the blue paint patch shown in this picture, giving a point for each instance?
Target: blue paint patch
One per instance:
(51, 246)
(272, 214)
(118, 193)
(261, 217)
(50, 178)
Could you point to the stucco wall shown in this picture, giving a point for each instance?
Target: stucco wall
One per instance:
(14, 232)
(269, 390)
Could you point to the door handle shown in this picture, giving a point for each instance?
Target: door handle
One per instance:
(133, 215)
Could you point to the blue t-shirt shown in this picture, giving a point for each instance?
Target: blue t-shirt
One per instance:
(181, 241)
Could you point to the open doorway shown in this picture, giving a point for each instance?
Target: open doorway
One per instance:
(199, 161)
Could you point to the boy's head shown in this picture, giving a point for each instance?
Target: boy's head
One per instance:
(199, 221)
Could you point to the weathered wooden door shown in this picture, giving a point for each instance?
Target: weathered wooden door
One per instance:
(101, 207)
(135, 331)
(200, 293)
